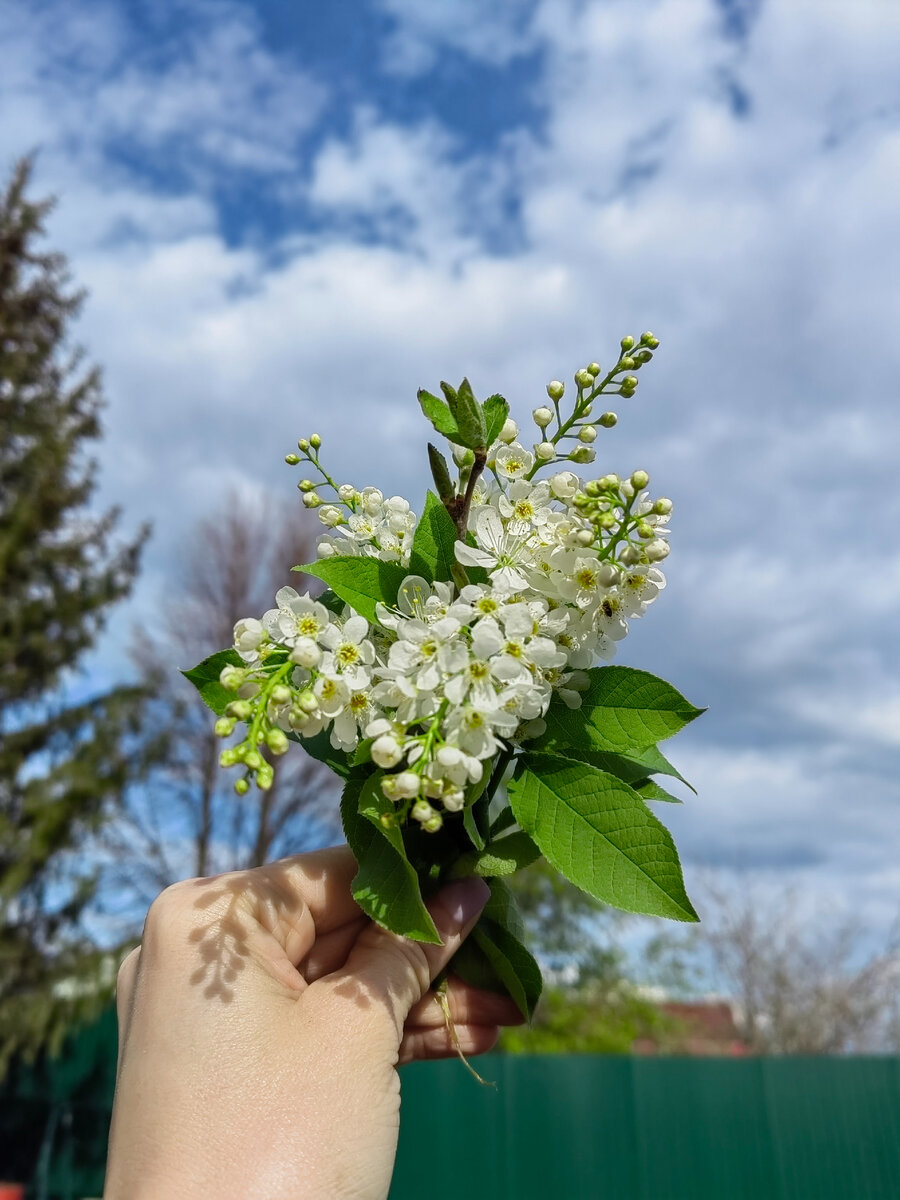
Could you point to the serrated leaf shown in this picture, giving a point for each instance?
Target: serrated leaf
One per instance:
(623, 710)
(502, 856)
(439, 414)
(432, 554)
(598, 832)
(469, 417)
(360, 582)
(496, 410)
(649, 789)
(629, 767)
(205, 678)
(494, 955)
(386, 886)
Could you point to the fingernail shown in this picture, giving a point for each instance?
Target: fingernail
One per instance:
(464, 899)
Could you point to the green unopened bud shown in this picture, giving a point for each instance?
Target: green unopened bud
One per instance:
(242, 786)
(606, 520)
(254, 760)
(627, 363)
(583, 454)
(545, 451)
(608, 420)
(663, 506)
(639, 479)
(312, 500)
(388, 820)
(610, 482)
(231, 678)
(265, 777)
(229, 757)
(587, 434)
(556, 389)
(307, 701)
(647, 339)
(627, 342)
(292, 459)
(542, 417)
(280, 694)
(593, 487)
(645, 530)
(584, 378)
(306, 485)
(224, 727)
(630, 382)
(581, 500)
(433, 824)
(303, 445)
(594, 369)
(315, 441)
(239, 709)
(643, 356)
(277, 741)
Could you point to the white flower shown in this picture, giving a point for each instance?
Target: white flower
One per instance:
(330, 515)
(526, 505)
(428, 652)
(564, 484)
(583, 578)
(306, 653)
(638, 589)
(349, 653)
(513, 461)
(296, 617)
(500, 552)
(249, 635)
(386, 751)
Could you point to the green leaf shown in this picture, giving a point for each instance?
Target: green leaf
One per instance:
(630, 767)
(432, 553)
(470, 824)
(623, 710)
(598, 832)
(649, 789)
(321, 749)
(331, 601)
(438, 413)
(386, 886)
(502, 821)
(440, 473)
(360, 582)
(504, 856)
(205, 678)
(469, 417)
(496, 410)
(494, 956)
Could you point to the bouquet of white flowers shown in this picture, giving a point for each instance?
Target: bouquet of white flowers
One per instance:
(447, 673)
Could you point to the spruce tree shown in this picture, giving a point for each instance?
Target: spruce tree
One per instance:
(61, 571)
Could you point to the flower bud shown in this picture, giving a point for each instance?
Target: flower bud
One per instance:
(584, 537)
(242, 786)
(303, 445)
(386, 751)
(657, 550)
(627, 342)
(306, 485)
(647, 339)
(280, 694)
(630, 382)
(406, 785)
(422, 811)
(564, 485)
(509, 432)
(583, 454)
(311, 500)
(663, 506)
(584, 378)
(643, 356)
(627, 364)
(607, 574)
(231, 678)
(277, 741)
(307, 701)
(608, 420)
(253, 759)
(265, 777)
(330, 515)
(556, 389)
(639, 479)
(606, 520)
(224, 727)
(454, 800)
(229, 757)
(545, 451)
(433, 824)
(629, 555)
(645, 530)
(462, 456)
(292, 459)
(347, 492)
(315, 441)
(542, 417)
(593, 487)
(610, 482)
(239, 709)
(593, 369)
(627, 490)
(306, 653)
(587, 433)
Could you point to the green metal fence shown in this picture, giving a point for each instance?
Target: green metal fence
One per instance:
(570, 1128)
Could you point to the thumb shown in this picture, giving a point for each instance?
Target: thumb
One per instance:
(398, 971)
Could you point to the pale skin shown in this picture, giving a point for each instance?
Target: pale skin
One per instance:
(261, 1022)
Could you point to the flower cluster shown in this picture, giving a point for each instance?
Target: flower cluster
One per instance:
(453, 673)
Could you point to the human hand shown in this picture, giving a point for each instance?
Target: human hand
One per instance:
(260, 1024)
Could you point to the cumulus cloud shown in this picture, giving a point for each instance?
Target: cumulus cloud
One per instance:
(721, 173)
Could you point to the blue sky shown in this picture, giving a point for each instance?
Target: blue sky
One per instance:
(292, 215)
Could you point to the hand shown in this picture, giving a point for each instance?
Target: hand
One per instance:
(260, 1024)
